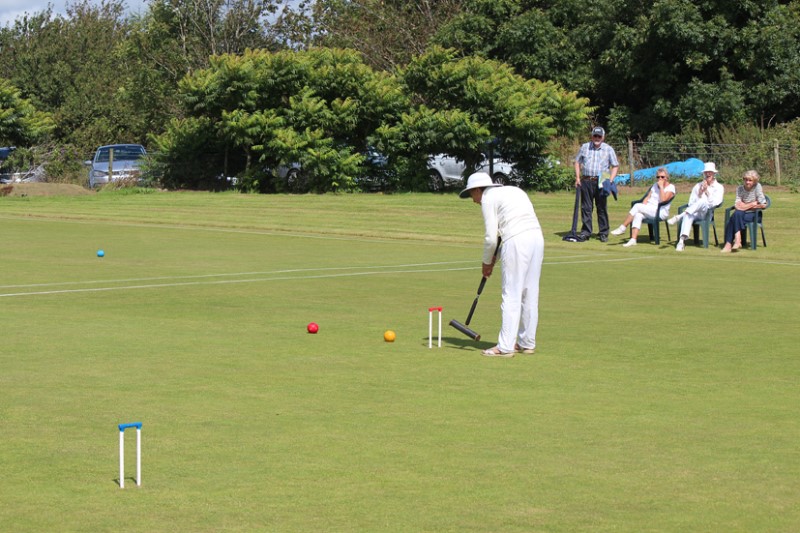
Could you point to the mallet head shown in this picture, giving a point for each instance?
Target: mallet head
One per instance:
(465, 330)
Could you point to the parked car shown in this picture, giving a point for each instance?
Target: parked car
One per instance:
(377, 174)
(126, 165)
(447, 171)
(293, 178)
(9, 174)
(5, 152)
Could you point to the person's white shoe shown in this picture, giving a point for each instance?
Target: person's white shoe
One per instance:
(679, 246)
(495, 352)
(674, 220)
(631, 242)
(619, 231)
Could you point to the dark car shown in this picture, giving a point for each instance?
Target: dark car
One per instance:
(378, 175)
(5, 152)
(126, 164)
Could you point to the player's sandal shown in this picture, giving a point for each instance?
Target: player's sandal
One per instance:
(495, 352)
(526, 351)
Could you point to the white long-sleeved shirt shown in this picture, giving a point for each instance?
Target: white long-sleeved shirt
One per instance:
(712, 196)
(507, 211)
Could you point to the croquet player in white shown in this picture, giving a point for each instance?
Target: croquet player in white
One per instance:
(705, 195)
(508, 214)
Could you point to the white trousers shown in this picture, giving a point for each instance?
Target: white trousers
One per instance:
(522, 257)
(641, 211)
(695, 211)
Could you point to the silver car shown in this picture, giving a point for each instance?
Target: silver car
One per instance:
(124, 160)
(447, 171)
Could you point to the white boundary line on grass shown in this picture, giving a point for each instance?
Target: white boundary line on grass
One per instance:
(225, 274)
(241, 231)
(270, 278)
(277, 233)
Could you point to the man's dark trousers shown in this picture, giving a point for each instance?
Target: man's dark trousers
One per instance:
(591, 195)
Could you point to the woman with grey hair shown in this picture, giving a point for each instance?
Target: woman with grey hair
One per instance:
(749, 196)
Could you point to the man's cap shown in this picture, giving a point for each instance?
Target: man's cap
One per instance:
(477, 180)
(599, 131)
(710, 167)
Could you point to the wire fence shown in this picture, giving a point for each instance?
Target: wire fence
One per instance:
(778, 163)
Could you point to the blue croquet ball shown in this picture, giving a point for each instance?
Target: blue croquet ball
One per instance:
(100, 253)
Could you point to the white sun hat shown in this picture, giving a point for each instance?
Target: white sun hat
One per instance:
(477, 180)
(710, 167)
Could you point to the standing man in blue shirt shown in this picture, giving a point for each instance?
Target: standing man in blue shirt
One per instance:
(594, 158)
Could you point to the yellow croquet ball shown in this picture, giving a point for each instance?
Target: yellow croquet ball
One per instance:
(389, 335)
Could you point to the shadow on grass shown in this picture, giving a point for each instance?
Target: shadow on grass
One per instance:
(129, 480)
(461, 343)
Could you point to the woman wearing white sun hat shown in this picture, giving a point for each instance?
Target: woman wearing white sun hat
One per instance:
(508, 213)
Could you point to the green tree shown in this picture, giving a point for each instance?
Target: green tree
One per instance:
(316, 109)
(323, 108)
(660, 65)
(71, 67)
(774, 58)
(20, 123)
(389, 33)
(518, 117)
(179, 36)
(556, 41)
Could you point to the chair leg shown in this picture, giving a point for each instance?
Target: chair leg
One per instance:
(716, 241)
(657, 237)
(753, 236)
(669, 234)
(705, 234)
(763, 237)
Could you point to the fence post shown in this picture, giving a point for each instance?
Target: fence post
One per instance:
(777, 162)
(630, 159)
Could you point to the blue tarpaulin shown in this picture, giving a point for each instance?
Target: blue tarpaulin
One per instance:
(691, 168)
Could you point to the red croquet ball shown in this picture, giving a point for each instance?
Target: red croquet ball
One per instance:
(313, 327)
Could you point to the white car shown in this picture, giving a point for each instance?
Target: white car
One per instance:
(447, 171)
(127, 160)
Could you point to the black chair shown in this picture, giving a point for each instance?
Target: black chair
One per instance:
(753, 225)
(703, 224)
(653, 223)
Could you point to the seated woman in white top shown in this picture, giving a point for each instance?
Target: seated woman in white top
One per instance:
(661, 191)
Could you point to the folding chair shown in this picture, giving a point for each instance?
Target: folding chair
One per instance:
(753, 225)
(653, 223)
(703, 224)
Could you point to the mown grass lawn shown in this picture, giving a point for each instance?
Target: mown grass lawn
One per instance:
(663, 395)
